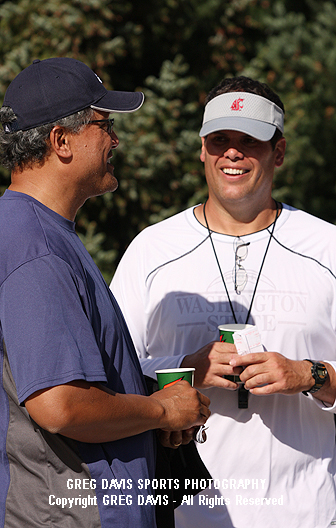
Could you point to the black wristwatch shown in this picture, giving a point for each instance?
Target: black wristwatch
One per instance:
(320, 375)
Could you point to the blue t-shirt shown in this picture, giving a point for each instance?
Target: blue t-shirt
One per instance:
(59, 323)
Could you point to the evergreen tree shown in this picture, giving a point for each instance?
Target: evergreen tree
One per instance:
(176, 51)
(299, 62)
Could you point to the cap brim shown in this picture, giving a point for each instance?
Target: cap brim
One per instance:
(119, 102)
(257, 129)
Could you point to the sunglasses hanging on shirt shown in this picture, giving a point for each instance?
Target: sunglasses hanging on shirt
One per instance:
(240, 280)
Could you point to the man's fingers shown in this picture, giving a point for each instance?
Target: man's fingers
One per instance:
(176, 438)
(247, 359)
(204, 399)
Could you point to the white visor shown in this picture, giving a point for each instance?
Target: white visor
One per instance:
(244, 112)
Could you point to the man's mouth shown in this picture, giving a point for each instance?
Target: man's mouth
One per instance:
(234, 172)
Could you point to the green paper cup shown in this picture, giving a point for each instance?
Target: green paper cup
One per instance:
(167, 377)
(226, 336)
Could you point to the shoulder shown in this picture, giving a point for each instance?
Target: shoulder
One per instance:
(22, 237)
(169, 238)
(158, 245)
(29, 231)
(304, 224)
(184, 224)
(308, 235)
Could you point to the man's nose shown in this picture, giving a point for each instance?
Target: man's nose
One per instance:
(115, 139)
(233, 153)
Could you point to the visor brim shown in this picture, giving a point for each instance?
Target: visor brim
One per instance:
(257, 129)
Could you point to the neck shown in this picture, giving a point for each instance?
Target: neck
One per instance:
(223, 221)
(46, 190)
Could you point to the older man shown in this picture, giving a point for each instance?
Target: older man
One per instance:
(76, 423)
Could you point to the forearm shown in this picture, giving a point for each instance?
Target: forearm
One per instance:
(91, 413)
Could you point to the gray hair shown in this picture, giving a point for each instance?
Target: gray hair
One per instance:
(27, 147)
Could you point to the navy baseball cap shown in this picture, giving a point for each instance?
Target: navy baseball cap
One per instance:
(51, 89)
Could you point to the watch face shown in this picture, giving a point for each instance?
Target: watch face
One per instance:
(320, 371)
(320, 375)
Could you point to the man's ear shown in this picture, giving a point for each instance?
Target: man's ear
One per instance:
(59, 139)
(280, 149)
(203, 149)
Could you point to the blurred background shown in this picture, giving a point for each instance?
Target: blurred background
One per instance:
(175, 51)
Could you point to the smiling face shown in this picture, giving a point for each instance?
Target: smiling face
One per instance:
(239, 169)
(92, 152)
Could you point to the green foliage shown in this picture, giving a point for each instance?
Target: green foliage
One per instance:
(85, 29)
(176, 51)
(299, 63)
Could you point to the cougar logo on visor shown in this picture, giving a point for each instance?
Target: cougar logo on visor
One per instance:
(237, 104)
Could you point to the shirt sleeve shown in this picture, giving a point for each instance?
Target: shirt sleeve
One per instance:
(47, 331)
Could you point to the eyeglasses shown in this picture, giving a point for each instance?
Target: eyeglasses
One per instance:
(239, 272)
(108, 124)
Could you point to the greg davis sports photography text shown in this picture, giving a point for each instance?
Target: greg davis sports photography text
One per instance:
(242, 491)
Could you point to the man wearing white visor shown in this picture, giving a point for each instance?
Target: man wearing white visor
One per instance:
(242, 257)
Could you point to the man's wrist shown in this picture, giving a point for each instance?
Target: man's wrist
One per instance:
(318, 376)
